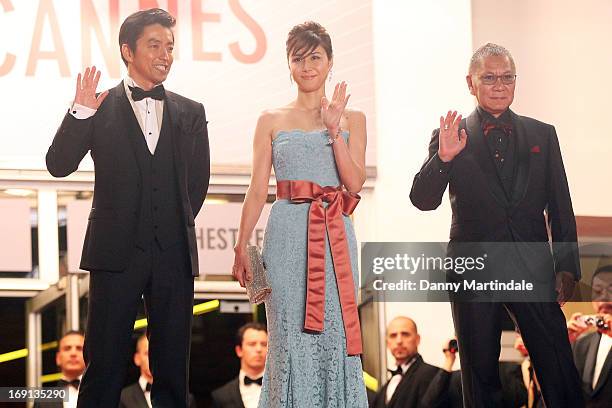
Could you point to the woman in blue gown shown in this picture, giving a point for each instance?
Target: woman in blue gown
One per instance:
(317, 147)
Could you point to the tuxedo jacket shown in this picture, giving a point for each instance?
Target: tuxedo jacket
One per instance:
(482, 211)
(132, 396)
(420, 386)
(228, 396)
(585, 355)
(111, 137)
(53, 404)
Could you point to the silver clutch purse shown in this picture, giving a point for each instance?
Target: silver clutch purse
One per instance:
(258, 289)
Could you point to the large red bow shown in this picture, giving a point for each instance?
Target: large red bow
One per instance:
(320, 219)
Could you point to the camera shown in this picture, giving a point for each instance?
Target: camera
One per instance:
(453, 347)
(595, 321)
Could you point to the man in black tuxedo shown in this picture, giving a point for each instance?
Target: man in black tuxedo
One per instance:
(593, 351)
(244, 390)
(410, 382)
(138, 395)
(152, 165)
(504, 171)
(69, 359)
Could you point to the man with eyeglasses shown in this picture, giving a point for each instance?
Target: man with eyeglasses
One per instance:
(504, 171)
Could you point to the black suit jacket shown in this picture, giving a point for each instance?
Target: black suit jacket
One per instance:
(132, 396)
(108, 135)
(585, 354)
(421, 386)
(54, 404)
(228, 396)
(481, 209)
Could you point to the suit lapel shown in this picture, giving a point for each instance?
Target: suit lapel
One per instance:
(129, 126)
(140, 398)
(236, 394)
(521, 172)
(174, 132)
(481, 154)
(589, 361)
(605, 370)
(406, 379)
(382, 396)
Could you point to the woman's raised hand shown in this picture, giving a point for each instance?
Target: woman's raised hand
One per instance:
(331, 112)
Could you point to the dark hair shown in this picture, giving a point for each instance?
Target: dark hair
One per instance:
(604, 267)
(252, 325)
(305, 37)
(70, 333)
(134, 25)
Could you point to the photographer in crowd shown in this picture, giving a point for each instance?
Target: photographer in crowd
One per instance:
(592, 351)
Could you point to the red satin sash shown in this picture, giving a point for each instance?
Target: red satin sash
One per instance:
(321, 219)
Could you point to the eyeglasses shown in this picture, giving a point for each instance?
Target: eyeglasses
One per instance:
(490, 79)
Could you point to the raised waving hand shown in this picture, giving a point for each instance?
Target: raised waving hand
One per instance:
(331, 111)
(451, 142)
(86, 86)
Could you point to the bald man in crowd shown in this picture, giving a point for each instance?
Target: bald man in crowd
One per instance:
(410, 379)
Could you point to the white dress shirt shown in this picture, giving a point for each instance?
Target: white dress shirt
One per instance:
(602, 353)
(73, 395)
(249, 393)
(149, 114)
(143, 385)
(396, 379)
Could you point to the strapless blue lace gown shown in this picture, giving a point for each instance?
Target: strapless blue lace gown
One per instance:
(305, 370)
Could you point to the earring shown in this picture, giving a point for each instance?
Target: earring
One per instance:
(329, 75)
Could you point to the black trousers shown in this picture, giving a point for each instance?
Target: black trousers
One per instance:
(164, 279)
(542, 326)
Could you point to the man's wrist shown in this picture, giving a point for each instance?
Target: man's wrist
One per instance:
(81, 111)
(444, 159)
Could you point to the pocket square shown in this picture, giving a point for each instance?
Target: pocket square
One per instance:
(535, 149)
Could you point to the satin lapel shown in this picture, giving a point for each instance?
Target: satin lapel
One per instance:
(521, 171)
(406, 378)
(482, 155)
(589, 361)
(129, 126)
(605, 370)
(180, 164)
(139, 397)
(236, 395)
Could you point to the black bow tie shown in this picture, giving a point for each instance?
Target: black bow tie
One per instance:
(74, 383)
(157, 93)
(148, 387)
(249, 380)
(397, 371)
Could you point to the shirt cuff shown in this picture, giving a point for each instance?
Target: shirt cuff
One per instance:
(82, 112)
(443, 167)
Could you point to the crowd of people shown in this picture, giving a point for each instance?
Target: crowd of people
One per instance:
(410, 381)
